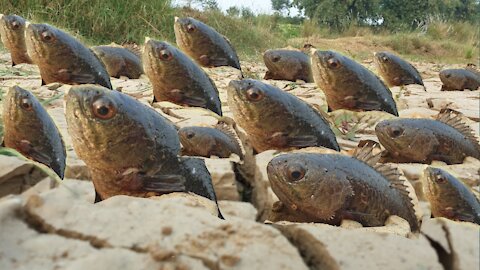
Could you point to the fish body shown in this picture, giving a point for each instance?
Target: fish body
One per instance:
(396, 71)
(424, 140)
(62, 58)
(209, 141)
(349, 85)
(176, 78)
(449, 197)
(274, 119)
(290, 65)
(130, 148)
(328, 188)
(204, 44)
(459, 79)
(12, 29)
(31, 131)
(119, 61)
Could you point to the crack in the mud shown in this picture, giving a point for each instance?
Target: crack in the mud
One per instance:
(445, 258)
(38, 224)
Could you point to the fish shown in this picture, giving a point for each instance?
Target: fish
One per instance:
(396, 71)
(62, 58)
(30, 130)
(328, 188)
(349, 85)
(449, 197)
(119, 61)
(220, 141)
(204, 44)
(12, 28)
(176, 78)
(274, 119)
(459, 79)
(290, 65)
(446, 138)
(129, 148)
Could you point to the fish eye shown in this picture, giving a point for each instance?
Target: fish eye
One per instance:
(190, 135)
(166, 55)
(26, 104)
(295, 172)
(385, 59)
(254, 94)
(47, 36)
(396, 131)
(440, 180)
(276, 58)
(447, 75)
(15, 25)
(190, 28)
(104, 108)
(333, 63)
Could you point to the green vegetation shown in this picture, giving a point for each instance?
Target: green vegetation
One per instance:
(446, 32)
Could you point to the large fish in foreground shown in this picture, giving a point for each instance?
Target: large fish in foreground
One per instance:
(349, 85)
(119, 61)
(446, 139)
(396, 71)
(204, 44)
(274, 119)
(12, 32)
(449, 197)
(459, 79)
(62, 58)
(31, 131)
(328, 188)
(290, 65)
(129, 148)
(176, 78)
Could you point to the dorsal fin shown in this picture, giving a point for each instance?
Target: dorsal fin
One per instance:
(455, 120)
(365, 153)
(229, 131)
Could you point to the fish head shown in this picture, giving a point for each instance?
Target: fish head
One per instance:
(47, 43)
(382, 60)
(188, 31)
(453, 78)
(273, 60)
(307, 181)
(12, 28)
(159, 56)
(250, 99)
(330, 66)
(440, 187)
(196, 140)
(406, 138)
(21, 108)
(103, 126)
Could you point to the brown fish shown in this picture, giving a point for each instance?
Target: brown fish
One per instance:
(204, 44)
(119, 61)
(275, 119)
(62, 58)
(459, 79)
(31, 131)
(220, 141)
(287, 65)
(449, 197)
(349, 85)
(396, 71)
(447, 139)
(331, 187)
(176, 78)
(144, 161)
(12, 29)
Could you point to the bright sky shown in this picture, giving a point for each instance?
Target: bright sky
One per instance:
(257, 6)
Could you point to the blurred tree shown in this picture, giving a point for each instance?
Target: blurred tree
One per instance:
(282, 5)
(233, 11)
(247, 12)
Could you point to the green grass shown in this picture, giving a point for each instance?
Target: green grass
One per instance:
(105, 21)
